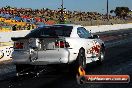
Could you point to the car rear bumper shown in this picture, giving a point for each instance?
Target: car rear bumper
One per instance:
(52, 57)
(42, 57)
(20, 57)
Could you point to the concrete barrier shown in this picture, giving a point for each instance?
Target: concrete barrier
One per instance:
(6, 36)
(103, 28)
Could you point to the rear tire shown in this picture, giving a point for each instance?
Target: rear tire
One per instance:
(80, 61)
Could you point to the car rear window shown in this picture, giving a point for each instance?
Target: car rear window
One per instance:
(51, 31)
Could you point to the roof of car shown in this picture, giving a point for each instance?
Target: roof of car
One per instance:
(66, 25)
(56, 25)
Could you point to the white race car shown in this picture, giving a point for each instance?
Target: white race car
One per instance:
(57, 44)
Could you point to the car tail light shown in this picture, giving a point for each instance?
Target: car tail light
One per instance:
(18, 45)
(62, 44)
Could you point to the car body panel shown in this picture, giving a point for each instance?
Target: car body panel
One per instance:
(42, 51)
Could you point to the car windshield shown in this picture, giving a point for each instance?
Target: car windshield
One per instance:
(51, 31)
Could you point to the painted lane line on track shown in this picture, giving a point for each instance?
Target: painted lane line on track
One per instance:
(125, 34)
(120, 35)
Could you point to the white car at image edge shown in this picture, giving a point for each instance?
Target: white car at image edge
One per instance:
(56, 45)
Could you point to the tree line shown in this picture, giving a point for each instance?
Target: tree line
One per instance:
(121, 12)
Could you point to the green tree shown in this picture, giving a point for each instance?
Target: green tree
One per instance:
(121, 11)
(112, 11)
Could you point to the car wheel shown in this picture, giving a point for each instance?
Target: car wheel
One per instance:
(81, 59)
(101, 57)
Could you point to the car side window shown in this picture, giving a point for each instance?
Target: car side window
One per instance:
(83, 33)
(80, 33)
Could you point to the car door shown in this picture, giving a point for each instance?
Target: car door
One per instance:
(86, 37)
(92, 47)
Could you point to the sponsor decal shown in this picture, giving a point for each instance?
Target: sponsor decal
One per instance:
(95, 49)
(82, 78)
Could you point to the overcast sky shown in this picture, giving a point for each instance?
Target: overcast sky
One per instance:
(79, 5)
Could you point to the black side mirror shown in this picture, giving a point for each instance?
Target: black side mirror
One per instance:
(95, 36)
